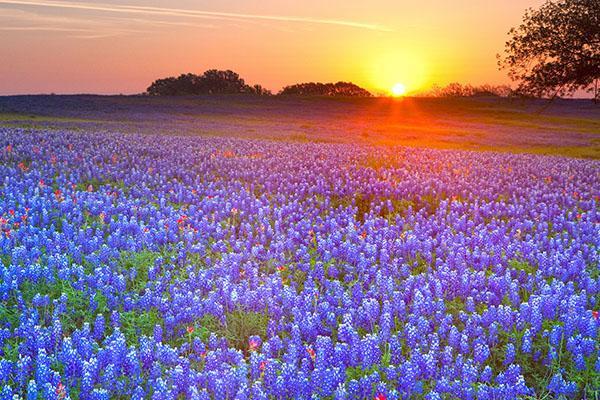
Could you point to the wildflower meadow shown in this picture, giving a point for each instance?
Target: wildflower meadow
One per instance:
(140, 266)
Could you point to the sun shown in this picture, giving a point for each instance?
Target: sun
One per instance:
(398, 90)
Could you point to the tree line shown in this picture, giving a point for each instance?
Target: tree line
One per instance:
(228, 82)
(210, 82)
(459, 90)
(345, 89)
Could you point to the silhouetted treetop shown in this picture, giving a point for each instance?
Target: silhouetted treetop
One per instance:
(458, 90)
(339, 89)
(210, 82)
(556, 49)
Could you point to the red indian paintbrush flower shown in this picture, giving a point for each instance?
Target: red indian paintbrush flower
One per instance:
(61, 391)
(252, 344)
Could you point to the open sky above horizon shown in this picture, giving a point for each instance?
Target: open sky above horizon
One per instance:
(110, 47)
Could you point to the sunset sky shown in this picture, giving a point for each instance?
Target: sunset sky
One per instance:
(122, 46)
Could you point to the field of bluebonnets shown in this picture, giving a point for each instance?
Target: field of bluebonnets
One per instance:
(163, 266)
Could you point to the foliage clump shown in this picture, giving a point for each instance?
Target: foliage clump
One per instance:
(556, 49)
(210, 82)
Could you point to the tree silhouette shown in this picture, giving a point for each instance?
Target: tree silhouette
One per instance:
(222, 82)
(210, 82)
(556, 49)
(216, 81)
(458, 90)
(339, 89)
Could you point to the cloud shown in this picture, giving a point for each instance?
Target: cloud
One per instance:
(41, 28)
(16, 20)
(178, 12)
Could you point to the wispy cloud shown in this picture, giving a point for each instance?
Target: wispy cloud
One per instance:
(41, 28)
(155, 22)
(13, 20)
(178, 12)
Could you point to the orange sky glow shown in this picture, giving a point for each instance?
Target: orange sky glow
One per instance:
(110, 47)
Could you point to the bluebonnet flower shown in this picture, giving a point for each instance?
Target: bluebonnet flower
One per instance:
(559, 387)
(6, 368)
(509, 355)
(100, 394)
(32, 390)
(481, 352)
(370, 348)
(124, 243)
(527, 342)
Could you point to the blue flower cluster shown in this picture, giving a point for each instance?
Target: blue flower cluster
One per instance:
(164, 267)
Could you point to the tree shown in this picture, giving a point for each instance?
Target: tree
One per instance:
(261, 91)
(339, 89)
(210, 82)
(556, 49)
(458, 90)
(222, 82)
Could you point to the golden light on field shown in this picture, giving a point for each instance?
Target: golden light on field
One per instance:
(398, 90)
